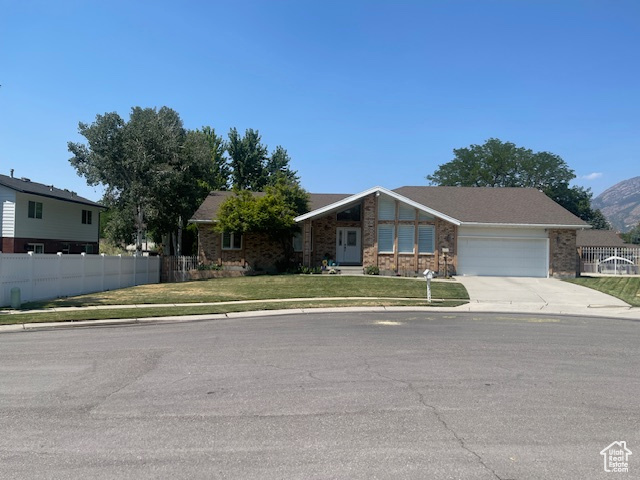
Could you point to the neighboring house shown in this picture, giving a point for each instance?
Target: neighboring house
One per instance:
(471, 230)
(598, 238)
(603, 251)
(44, 219)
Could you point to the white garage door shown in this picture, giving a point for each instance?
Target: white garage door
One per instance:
(506, 257)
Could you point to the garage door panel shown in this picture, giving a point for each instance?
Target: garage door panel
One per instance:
(503, 257)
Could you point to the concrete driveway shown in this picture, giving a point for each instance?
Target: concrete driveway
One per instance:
(537, 294)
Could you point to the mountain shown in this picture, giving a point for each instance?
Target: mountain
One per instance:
(621, 204)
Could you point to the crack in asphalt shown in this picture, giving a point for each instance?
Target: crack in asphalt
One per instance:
(437, 414)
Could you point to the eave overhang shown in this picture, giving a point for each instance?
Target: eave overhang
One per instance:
(320, 212)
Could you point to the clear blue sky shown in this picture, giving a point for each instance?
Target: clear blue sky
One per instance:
(360, 93)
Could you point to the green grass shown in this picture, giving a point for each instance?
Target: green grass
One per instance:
(624, 288)
(396, 291)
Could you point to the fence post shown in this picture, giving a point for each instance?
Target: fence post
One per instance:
(84, 271)
(59, 273)
(31, 278)
(120, 270)
(103, 269)
(135, 269)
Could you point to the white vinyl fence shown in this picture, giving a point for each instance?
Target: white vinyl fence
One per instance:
(44, 276)
(610, 260)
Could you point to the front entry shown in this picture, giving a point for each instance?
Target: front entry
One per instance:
(348, 245)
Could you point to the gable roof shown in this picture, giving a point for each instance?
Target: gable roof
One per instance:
(598, 238)
(473, 206)
(335, 206)
(494, 206)
(208, 210)
(24, 185)
(458, 205)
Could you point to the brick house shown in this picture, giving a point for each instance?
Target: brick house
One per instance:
(467, 230)
(41, 218)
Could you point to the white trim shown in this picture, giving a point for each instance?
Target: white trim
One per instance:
(232, 237)
(193, 220)
(353, 198)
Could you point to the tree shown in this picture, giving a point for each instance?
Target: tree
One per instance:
(251, 166)
(503, 164)
(632, 236)
(271, 214)
(219, 173)
(149, 167)
(498, 164)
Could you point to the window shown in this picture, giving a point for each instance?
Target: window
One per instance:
(35, 247)
(86, 217)
(406, 212)
(426, 239)
(386, 208)
(35, 209)
(88, 248)
(297, 242)
(350, 214)
(231, 241)
(66, 248)
(424, 216)
(385, 238)
(406, 238)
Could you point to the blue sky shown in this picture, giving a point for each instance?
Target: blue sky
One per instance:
(360, 93)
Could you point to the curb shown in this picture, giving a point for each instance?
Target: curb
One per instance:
(599, 312)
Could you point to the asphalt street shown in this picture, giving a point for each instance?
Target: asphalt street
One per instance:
(316, 396)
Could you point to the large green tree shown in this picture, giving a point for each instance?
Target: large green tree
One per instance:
(252, 168)
(271, 213)
(154, 173)
(503, 164)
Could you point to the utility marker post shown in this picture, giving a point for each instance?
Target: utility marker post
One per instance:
(428, 275)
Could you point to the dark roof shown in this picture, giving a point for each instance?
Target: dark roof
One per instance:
(516, 206)
(598, 238)
(209, 208)
(24, 185)
(319, 200)
(520, 206)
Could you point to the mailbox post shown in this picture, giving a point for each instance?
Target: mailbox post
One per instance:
(428, 275)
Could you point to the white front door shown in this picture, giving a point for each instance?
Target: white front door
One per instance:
(348, 245)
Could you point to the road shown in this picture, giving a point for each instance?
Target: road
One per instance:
(317, 396)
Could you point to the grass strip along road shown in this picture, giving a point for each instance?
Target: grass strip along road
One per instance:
(286, 289)
(626, 289)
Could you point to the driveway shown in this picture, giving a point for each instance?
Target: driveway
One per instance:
(534, 294)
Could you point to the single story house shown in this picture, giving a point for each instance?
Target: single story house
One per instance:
(41, 218)
(598, 238)
(465, 230)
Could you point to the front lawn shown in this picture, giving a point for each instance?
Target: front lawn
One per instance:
(624, 288)
(377, 291)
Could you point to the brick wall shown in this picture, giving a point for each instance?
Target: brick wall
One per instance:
(20, 245)
(258, 251)
(369, 234)
(562, 253)
(446, 237)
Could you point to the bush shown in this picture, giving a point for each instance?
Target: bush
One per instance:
(211, 266)
(372, 270)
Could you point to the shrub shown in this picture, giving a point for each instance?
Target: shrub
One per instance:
(372, 270)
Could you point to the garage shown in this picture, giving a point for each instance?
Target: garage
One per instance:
(503, 256)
